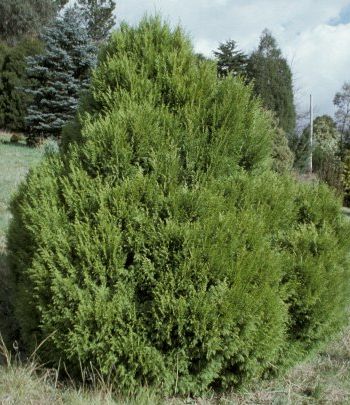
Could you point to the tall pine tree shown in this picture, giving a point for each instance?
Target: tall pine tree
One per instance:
(98, 15)
(60, 73)
(272, 79)
(230, 60)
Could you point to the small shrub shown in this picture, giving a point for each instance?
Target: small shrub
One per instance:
(50, 146)
(15, 138)
(158, 246)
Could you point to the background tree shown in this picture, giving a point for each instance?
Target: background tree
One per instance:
(342, 103)
(230, 60)
(99, 18)
(59, 75)
(326, 135)
(272, 78)
(13, 103)
(327, 164)
(21, 18)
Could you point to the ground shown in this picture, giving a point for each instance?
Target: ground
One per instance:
(322, 379)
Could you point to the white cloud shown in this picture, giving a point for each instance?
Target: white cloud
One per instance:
(319, 52)
(321, 64)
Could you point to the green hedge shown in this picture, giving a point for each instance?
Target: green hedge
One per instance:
(158, 246)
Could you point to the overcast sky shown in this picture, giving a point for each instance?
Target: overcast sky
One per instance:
(313, 35)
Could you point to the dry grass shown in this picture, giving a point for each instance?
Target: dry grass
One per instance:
(324, 379)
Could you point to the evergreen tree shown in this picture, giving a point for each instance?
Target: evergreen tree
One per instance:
(230, 60)
(158, 248)
(98, 15)
(60, 73)
(20, 18)
(13, 103)
(273, 81)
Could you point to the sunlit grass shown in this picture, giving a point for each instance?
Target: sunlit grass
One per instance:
(15, 161)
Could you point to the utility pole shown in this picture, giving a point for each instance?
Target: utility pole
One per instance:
(311, 133)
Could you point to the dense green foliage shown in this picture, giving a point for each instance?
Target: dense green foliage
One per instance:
(282, 156)
(58, 75)
(13, 103)
(230, 60)
(158, 246)
(273, 81)
(98, 16)
(24, 18)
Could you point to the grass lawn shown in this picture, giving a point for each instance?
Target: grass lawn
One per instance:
(15, 160)
(323, 379)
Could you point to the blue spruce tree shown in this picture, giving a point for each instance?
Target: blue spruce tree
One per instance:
(59, 75)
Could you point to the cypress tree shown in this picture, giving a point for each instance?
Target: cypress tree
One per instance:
(231, 61)
(158, 247)
(272, 79)
(60, 73)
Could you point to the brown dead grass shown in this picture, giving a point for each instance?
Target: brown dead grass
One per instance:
(324, 379)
